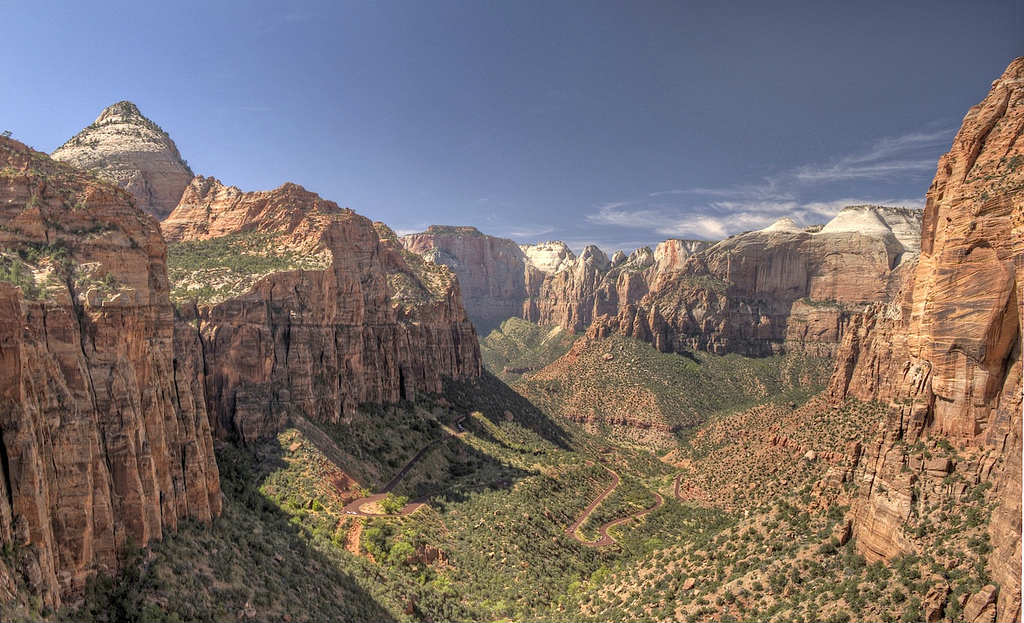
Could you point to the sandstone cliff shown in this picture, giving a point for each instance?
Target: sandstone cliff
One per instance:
(945, 353)
(126, 148)
(496, 278)
(756, 293)
(102, 445)
(314, 309)
(671, 254)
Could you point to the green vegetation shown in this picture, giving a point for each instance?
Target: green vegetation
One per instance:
(392, 503)
(519, 347)
(17, 273)
(36, 268)
(754, 537)
(628, 498)
(663, 396)
(214, 270)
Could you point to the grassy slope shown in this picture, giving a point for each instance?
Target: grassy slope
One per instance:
(625, 388)
(519, 347)
(211, 271)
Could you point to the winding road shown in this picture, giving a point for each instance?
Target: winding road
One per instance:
(355, 507)
(605, 539)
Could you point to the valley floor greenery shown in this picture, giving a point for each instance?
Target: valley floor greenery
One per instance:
(503, 476)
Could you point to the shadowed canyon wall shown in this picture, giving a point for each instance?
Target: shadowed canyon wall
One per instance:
(111, 397)
(100, 446)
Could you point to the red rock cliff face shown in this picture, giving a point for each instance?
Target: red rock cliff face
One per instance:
(376, 324)
(496, 279)
(101, 445)
(946, 352)
(755, 293)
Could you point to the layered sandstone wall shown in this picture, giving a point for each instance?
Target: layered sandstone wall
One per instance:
(946, 352)
(757, 293)
(377, 324)
(100, 448)
(495, 276)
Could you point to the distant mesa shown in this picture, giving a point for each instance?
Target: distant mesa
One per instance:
(784, 286)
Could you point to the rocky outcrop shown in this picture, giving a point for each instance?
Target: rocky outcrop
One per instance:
(756, 293)
(946, 352)
(496, 279)
(672, 254)
(209, 209)
(549, 257)
(375, 323)
(129, 150)
(102, 446)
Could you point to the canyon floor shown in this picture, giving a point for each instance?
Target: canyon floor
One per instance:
(497, 509)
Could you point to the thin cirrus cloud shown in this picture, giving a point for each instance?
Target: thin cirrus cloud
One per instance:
(717, 212)
(719, 219)
(887, 157)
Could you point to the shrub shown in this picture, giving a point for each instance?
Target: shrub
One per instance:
(392, 503)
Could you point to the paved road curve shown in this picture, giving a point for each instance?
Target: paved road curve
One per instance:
(355, 507)
(605, 539)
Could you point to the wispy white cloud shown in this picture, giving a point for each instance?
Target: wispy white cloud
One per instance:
(620, 215)
(708, 212)
(890, 156)
(528, 232)
(845, 170)
(718, 219)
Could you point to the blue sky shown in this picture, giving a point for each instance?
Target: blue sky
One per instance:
(617, 123)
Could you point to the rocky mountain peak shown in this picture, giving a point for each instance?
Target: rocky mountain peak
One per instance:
(123, 111)
(873, 220)
(642, 257)
(593, 256)
(672, 253)
(784, 225)
(124, 147)
(550, 257)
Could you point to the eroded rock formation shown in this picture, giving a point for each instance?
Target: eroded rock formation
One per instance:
(496, 278)
(374, 323)
(946, 352)
(125, 148)
(102, 447)
(754, 293)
